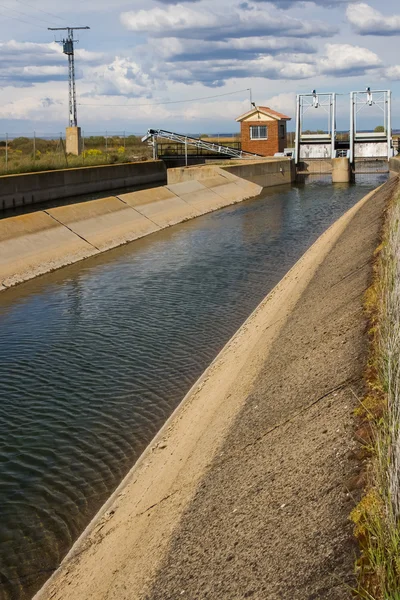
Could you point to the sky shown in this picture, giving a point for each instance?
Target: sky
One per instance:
(187, 66)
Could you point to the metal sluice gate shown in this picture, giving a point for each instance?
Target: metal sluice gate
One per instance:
(153, 135)
(361, 145)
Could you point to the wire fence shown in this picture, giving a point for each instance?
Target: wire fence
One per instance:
(29, 152)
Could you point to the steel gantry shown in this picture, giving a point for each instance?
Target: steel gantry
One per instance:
(370, 144)
(318, 145)
(154, 134)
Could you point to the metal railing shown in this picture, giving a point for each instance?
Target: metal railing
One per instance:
(175, 149)
(153, 135)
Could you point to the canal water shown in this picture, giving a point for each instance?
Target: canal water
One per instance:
(96, 356)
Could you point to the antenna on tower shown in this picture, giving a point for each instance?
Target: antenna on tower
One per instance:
(68, 49)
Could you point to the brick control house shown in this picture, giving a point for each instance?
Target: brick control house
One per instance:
(263, 131)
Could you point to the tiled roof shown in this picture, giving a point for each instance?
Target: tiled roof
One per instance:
(273, 113)
(265, 109)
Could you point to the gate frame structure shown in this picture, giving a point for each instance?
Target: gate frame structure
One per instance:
(327, 101)
(382, 99)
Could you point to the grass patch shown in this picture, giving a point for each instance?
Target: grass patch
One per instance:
(377, 517)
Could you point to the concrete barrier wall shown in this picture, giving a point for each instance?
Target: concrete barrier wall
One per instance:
(196, 173)
(31, 188)
(315, 167)
(268, 172)
(394, 164)
(46, 240)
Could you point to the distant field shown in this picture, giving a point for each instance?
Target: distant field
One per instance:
(25, 155)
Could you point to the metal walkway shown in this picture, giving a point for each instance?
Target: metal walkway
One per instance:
(155, 134)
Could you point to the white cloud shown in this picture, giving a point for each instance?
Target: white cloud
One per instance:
(26, 63)
(177, 50)
(230, 109)
(324, 3)
(285, 4)
(346, 60)
(187, 50)
(216, 65)
(392, 73)
(89, 57)
(244, 20)
(14, 52)
(285, 103)
(369, 21)
(43, 103)
(216, 73)
(122, 77)
(174, 18)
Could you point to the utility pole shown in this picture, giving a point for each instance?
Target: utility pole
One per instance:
(68, 49)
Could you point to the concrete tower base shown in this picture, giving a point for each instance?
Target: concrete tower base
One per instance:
(73, 140)
(341, 171)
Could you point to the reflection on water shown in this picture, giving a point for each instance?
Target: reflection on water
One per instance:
(95, 357)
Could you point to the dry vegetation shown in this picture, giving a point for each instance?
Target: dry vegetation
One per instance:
(377, 517)
(23, 155)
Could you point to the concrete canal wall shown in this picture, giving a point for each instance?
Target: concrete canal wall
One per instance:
(394, 165)
(31, 188)
(315, 166)
(268, 172)
(39, 242)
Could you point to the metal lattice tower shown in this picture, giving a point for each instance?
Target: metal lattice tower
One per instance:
(68, 49)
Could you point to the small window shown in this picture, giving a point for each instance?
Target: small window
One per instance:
(282, 130)
(259, 132)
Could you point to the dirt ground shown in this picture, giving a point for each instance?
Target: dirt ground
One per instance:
(246, 492)
(271, 518)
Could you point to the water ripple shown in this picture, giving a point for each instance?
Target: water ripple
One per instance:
(94, 358)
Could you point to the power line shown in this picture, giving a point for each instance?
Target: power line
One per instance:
(39, 9)
(21, 21)
(170, 102)
(23, 14)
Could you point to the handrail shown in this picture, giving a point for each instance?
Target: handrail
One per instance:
(154, 134)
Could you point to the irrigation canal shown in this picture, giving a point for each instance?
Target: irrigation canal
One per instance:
(96, 356)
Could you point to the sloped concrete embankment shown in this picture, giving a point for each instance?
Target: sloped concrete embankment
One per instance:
(46, 240)
(243, 491)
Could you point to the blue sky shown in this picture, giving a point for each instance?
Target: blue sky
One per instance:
(142, 55)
